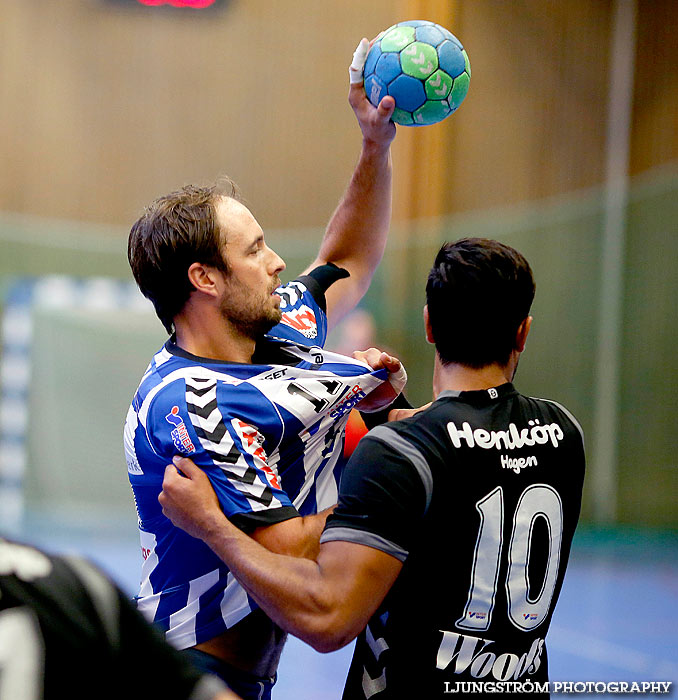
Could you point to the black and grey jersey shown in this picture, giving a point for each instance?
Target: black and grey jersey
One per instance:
(67, 632)
(479, 497)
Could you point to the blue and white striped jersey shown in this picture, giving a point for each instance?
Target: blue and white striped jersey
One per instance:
(268, 435)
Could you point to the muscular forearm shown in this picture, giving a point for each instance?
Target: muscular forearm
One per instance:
(356, 235)
(290, 590)
(357, 232)
(313, 599)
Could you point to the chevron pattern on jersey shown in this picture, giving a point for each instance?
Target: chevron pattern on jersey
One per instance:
(211, 429)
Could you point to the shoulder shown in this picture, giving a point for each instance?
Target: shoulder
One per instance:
(303, 316)
(320, 279)
(24, 562)
(386, 489)
(397, 436)
(557, 410)
(49, 582)
(303, 306)
(163, 396)
(419, 428)
(418, 434)
(188, 381)
(395, 445)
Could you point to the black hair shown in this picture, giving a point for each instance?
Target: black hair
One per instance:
(478, 293)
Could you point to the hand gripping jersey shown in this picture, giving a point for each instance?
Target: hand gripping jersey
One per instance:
(269, 436)
(67, 632)
(479, 497)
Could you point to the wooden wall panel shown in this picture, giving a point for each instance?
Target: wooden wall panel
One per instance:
(421, 155)
(103, 108)
(533, 124)
(655, 113)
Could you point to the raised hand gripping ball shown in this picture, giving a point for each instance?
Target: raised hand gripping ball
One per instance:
(423, 67)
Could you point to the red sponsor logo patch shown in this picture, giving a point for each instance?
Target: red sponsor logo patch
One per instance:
(302, 320)
(252, 440)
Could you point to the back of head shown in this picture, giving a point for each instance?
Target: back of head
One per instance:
(478, 293)
(175, 231)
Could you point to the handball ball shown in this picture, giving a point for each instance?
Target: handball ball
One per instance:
(423, 67)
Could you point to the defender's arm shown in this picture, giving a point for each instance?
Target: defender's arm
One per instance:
(326, 601)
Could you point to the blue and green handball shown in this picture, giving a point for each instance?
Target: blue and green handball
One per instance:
(423, 67)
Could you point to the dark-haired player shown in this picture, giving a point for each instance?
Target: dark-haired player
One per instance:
(448, 548)
(245, 387)
(66, 631)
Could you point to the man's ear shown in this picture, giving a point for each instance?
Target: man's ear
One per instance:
(427, 326)
(522, 333)
(203, 278)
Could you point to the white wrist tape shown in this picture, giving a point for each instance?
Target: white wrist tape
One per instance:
(355, 70)
(398, 379)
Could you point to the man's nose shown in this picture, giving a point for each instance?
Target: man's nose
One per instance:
(277, 263)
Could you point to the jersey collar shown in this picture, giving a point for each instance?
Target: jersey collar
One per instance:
(480, 396)
(267, 351)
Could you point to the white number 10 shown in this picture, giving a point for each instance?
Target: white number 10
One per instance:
(537, 501)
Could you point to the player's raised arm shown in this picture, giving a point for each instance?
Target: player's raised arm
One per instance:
(356, 234)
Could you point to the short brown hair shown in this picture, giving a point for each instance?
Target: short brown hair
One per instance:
(175, 231)
(478, 293)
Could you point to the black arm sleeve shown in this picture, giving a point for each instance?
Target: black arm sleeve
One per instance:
(376, 418)
(248, 522)
(382, 498)
(320, 279)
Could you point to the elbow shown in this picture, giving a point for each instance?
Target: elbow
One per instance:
(328, 639)
(327, 646)
(328, 631)
(323, 617)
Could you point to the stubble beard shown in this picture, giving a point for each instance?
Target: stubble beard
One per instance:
(252, 316)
